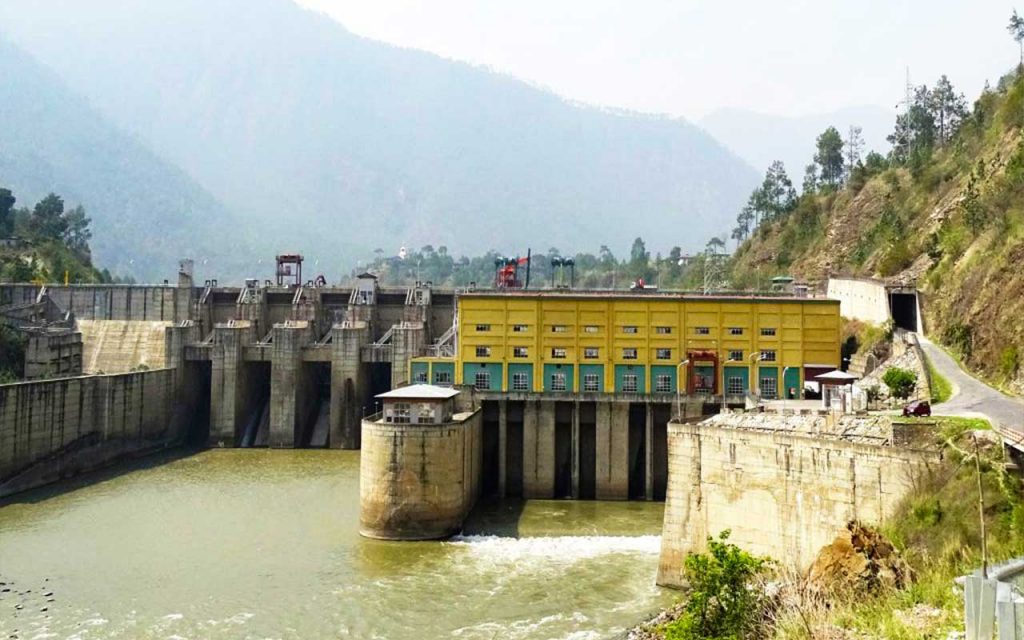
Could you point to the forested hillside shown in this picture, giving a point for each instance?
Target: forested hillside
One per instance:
(146, 213)
(334, 145)
(944, 210)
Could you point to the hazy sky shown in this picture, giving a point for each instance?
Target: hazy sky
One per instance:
(689, 57)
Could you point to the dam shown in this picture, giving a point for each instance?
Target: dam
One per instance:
(574, 388)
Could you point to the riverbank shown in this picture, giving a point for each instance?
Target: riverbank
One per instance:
(937, 532)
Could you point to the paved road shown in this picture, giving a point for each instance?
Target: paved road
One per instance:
(972, 397)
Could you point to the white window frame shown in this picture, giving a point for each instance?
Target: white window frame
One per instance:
(768, 332)
(421, 377)
(559, 353)
(484, 376)
(663, 354)
(520, 352)
(630, 383)
(519, 328)
(442, 378)
(558, 381)
(663, 383)
(591, 328)
(591, 382)
(559, 328)
(591, 353)
(520, 381)
(769, 388)
(702, 331)
(401, 413)
(629, 353)
(483, 352)
(630, 328)
(734, 386)
(483, 328)
(736, 355)
(765, 353)
(663, 330)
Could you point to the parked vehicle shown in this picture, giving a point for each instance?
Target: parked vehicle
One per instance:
(919, 408)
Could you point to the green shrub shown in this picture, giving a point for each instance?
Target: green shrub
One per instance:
(960, 338)
(901, 382)
(1009, 362)
(723, 603)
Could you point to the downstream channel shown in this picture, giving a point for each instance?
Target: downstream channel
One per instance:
(264, 544)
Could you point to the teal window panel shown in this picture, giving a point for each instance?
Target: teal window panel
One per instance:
(520, 377)
(791, 382)
(558, 378)
(663, 379)
(768, 382)
(442, 373)
(484, 376)
(420, 372)
(737, 380)
(630, 378)
(592, 378)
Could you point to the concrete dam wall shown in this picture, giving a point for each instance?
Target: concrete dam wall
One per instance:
(781, 494)
(418, 482)
(58, 428)
(117, 346)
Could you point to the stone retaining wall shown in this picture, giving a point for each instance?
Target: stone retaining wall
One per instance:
(782, 494)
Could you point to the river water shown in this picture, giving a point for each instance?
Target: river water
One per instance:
(265, 544)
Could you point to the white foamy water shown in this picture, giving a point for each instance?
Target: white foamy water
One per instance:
(565, 549)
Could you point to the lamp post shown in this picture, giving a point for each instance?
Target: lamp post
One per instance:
(756, 357)
(785, 390)
(679, 397)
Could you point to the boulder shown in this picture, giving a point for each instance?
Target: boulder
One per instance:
(859, 559)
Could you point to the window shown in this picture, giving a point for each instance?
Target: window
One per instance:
(482, 381)
(519, 328)
(736, 355)
(735, 331)
(769, 388)
(734, 386)
(400, 413)
(591, 353)
(483, 327)
(520, 352)
(768, 331)
(590, 382)
(557, 352)
(520, 382)
(421, 377)
(703, 331)
(629, 329)
(426, 413)
(442, 377)
(559, 328)
(591, 328)
(663, 330)
(663, 383)
(768, 355)
(663, 354)
(483, 352)
(629, 354)
(629, 383)
(558, 381)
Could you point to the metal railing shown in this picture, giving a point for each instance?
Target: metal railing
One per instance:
(994, 603)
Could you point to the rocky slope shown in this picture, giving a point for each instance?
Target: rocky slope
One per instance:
(953, 224)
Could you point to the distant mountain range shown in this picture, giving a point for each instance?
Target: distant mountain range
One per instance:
(146, 212)
(761, 139)
(328, 143)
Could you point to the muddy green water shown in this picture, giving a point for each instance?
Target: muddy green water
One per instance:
(264, 544)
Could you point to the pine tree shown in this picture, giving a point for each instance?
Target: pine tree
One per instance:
(829, 157)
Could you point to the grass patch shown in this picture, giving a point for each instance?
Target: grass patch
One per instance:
(942, 388)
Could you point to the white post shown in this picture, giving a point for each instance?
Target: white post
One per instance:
(679, 396)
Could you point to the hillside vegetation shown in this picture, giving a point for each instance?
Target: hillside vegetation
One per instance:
(334, 145)
(945, 211)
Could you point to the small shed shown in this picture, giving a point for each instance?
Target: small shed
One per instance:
(419, 404)
(832, 384)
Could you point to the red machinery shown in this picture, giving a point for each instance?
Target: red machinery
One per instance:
(696, 381)
(506, 272)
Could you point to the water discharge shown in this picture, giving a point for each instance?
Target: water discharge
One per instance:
(264, 544)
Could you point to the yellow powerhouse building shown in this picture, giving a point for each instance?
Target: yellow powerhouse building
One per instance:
(642, 343)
